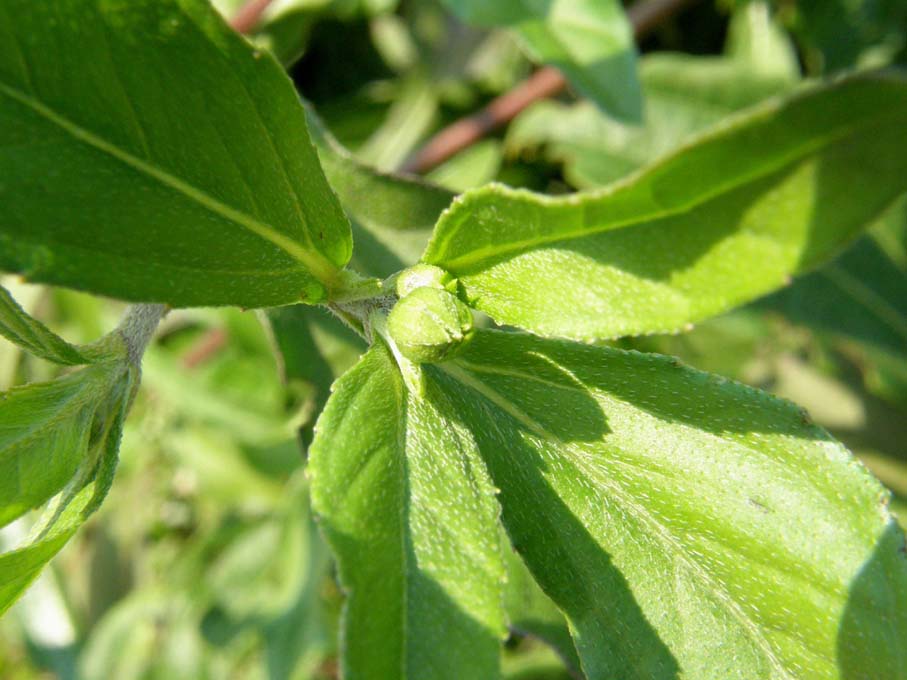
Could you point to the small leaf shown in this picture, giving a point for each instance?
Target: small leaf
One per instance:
(392, 215)
(76, 502)
(687, 525)
(45, 435)
(150, 153)
(768, 195)
(17, 326)
(408, 509)
(591, 41)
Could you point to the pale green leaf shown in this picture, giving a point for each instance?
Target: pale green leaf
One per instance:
(150, 153)
(725, 219)
(591, 41)
(17, 326)
(408, 509)
(45, 435)
(81, 496)
(687, 525)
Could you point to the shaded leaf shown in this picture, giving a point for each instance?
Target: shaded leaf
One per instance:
(687, 525)
(126, 126)
(723, 220)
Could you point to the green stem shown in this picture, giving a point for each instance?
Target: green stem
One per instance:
(138, 326)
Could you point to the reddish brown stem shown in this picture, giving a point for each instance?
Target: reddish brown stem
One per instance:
(207, 347)
(249, 15)
(644, 15)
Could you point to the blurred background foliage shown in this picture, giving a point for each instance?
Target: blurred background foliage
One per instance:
(205, 562)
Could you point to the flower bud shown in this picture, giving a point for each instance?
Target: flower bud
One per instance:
(429, 325)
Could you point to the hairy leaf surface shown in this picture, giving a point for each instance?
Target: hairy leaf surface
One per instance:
(81, 496)
(591, 41)
(729, 217)
(687, 525)
(150, 153)
(407, 506)
(45, 430)
(17, 326)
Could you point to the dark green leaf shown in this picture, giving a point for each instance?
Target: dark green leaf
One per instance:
(150, 153)
(687, 525)
(723, 220)
(409, 511)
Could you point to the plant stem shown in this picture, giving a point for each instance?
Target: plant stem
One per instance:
(138, 326)
(249, 15)
(644, 15)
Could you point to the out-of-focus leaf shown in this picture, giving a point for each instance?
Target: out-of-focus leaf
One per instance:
(471, 168)
(589, 40)
(725, 219)
(81, 496)
(409, 120)
(531, 612)
(862, 295)
(710, 529)
(392, 215)
(45, 435)
(144, 122)
(315, 349)
(412, 518)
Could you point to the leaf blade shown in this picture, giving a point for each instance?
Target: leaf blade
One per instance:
(697, 516)
(423, 574)
(765, 193)
(17, 326)
(134, 181)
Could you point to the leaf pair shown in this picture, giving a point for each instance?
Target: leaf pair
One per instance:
(58, 439)
(685, 524)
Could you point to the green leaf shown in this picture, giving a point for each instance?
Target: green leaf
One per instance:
(684, 95)
(127, 127)
(591, 41)
(862, 295)
(17, 326)
(532, 613)
(392, 215)
(45, 435)
(81, 496)
(411, 516)
(315, 349)
(769, 194)
(687, 525)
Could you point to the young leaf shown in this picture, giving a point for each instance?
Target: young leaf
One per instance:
(723, 220)
(408, 509)
(589, 40)
(17, 326)
(81, 497)
(687, 525)
(150, 153)
(392, 215)
(45, 432)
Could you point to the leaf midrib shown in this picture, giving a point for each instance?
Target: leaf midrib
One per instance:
(639, 511)
(470, 260)
(312, 260)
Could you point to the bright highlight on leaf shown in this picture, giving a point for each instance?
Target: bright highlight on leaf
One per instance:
(149, 153)
(729, 217)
